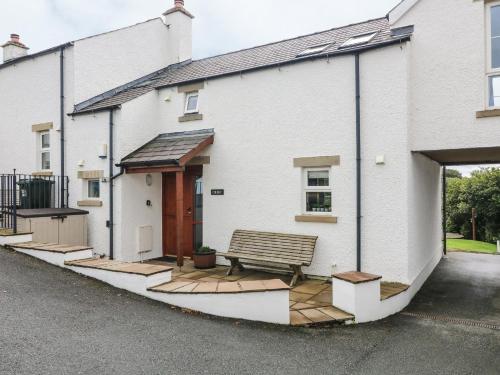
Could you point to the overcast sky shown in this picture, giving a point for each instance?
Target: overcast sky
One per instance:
(219, 26)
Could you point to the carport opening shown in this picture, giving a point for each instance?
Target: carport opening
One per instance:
(471, 198)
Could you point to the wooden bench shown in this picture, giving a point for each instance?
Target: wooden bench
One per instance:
(272, 250)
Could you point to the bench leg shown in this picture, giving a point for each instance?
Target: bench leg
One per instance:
(235, 263)
(297, 272)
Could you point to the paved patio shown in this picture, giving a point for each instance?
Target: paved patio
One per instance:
(310, 300)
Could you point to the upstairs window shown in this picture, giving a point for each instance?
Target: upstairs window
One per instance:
(45, 151)
(493, 73)
(358, 39)
(317, 191)
(191, 103)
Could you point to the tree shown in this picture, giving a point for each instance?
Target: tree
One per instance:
(453, 173)
(480, 191)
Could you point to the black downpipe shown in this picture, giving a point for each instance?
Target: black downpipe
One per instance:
(358, 165)
(111, 191)
(445, 245)
(62, 118)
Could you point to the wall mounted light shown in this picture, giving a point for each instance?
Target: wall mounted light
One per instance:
(149, 180)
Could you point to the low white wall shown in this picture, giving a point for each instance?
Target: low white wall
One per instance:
(137, 284)
(21, 238)
(268, 307)
(56, 259)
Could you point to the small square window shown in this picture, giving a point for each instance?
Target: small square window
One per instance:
(94, 189)
(191, 103)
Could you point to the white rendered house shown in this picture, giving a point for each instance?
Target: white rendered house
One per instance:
(341, 134)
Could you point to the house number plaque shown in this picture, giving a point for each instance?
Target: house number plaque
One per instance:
(217, 191)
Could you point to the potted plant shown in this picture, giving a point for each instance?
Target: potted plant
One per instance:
(204, 258)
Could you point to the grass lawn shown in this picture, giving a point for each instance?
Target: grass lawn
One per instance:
(472, 246)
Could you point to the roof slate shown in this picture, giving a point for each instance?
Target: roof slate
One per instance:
(167, 149)
(278, 53)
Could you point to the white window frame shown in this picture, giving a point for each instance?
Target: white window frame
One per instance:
(188, 96)
(42, 150)
(316, 189)
(490, 71)
(87, 188)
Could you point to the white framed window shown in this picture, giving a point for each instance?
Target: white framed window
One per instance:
(93, 189)
(44, 141)
(359, 39)
(191, 105)
(493, 55)
(317, 194)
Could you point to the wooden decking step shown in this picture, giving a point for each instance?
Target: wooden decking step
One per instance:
(51, 247)
(316, 316)
(388, 290)
(122, 267)
(186, 286)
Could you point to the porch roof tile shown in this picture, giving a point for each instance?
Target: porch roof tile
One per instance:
(170, 149)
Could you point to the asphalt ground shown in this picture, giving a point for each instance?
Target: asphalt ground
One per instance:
(53, 321)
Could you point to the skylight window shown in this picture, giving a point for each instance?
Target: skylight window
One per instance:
(358, 39)
(314, 50)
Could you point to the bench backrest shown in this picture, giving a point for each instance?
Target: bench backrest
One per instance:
(281, 248)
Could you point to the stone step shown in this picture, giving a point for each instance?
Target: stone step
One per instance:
(317, 316)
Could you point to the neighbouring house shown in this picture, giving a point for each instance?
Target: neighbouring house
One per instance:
(341, 134)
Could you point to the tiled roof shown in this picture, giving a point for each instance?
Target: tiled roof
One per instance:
(273, 54)
(167, 149)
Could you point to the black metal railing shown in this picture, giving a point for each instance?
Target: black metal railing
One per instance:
(21, 191)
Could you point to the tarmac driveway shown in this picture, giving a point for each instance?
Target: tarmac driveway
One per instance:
(53, 321)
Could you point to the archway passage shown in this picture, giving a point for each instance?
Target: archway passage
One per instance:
(465, 287)
(447, 158)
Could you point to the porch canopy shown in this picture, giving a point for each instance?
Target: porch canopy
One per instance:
(463, 156)
(170, 153)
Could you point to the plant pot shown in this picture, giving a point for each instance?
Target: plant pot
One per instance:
(204, 261)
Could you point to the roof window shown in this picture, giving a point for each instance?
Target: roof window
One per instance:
(359, 39)
(314, 50)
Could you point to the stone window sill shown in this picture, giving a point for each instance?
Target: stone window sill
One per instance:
(488, 113)
(43, 173)
(316, 219)
(191, 117)
(89, 203)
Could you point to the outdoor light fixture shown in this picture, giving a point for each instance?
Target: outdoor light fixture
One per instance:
(149, 180)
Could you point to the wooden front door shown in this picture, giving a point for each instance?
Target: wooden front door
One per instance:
(192, 176)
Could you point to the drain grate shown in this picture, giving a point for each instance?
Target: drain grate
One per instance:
(464, 322)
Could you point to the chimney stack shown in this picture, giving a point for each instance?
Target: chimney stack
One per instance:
(179, 22)
(14, 49)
